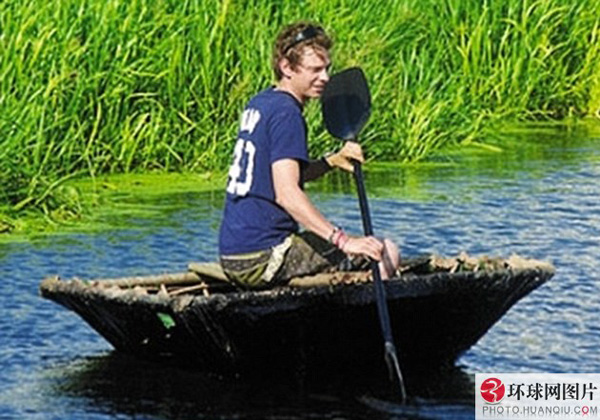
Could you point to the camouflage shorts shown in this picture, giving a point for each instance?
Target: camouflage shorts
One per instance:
(299, 255)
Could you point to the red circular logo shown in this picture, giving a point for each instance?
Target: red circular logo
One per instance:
(492, 390)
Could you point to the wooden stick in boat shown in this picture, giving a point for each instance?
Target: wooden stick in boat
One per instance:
(146, 281)
(209, 273)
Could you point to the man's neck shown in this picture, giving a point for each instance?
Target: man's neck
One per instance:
(285, 86)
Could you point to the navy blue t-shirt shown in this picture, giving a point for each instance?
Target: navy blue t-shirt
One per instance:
(271, 128)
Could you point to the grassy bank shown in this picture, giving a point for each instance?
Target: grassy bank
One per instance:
(91, 87)
(112, 201)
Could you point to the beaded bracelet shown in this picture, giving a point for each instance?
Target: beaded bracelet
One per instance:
(342, 241)
(338, 237)
(332, 238)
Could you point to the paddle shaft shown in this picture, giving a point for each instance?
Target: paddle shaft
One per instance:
(380, 295)
(346, 106)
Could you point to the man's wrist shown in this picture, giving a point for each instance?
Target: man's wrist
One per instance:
(338, 237)
(327, 160)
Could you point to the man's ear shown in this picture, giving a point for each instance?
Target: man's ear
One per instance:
(286, 68)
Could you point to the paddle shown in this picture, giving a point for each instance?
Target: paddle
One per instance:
(346, 106)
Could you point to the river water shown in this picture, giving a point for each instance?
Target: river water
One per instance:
(538, 197)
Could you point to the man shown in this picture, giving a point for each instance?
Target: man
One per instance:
(259, 243)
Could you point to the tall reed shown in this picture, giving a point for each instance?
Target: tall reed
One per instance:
(90, 87)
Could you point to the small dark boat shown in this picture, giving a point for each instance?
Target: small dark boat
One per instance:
(439, 308)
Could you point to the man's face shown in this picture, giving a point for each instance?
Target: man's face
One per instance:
(310, 76)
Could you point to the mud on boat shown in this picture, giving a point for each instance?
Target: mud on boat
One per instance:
(439, 307)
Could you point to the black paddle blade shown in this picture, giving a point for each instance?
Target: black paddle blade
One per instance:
(346, 103)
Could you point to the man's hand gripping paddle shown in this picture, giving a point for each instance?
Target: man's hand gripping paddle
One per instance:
(346, 106)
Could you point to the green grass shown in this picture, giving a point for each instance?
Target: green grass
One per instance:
(95, 87)
(115, 198)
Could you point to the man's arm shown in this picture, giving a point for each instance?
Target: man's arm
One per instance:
(289, 195)
(315, 169)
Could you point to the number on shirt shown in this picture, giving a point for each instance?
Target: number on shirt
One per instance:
(235, 185)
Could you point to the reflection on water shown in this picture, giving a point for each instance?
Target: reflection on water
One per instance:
(537, 197)
(118, 384)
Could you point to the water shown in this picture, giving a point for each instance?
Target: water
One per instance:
(538, 198)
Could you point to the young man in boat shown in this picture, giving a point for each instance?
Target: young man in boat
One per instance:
(259, 242)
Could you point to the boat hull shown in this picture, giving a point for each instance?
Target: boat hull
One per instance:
(435, 318)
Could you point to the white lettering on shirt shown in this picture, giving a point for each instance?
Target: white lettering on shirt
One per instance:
(250, 118)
